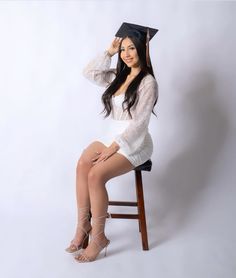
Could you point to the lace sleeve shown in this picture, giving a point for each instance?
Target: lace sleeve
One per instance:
(98, 70)
(134, 134)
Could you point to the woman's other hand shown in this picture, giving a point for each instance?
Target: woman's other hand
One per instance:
(114, 48)
(106, 153)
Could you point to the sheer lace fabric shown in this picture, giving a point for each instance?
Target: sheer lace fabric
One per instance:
(134, 139)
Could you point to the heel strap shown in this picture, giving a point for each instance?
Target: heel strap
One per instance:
(99, 221)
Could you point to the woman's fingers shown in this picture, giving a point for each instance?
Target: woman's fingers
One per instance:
(116, 43)
(97, 156)
(114, 48)
(97, 161)
(101, 158)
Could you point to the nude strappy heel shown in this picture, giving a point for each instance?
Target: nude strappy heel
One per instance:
(84, 216)
(83, 257)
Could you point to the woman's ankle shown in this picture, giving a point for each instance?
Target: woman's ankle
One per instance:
(84, 225)
(98, 235)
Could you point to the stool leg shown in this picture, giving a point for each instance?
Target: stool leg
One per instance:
(141, 209)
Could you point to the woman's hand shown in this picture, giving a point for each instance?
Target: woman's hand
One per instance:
(106, 153)
(114, 48)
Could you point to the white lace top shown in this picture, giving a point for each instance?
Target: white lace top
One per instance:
(132, 139)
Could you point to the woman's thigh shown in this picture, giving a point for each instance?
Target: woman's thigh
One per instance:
(90, 152)
(114, 166)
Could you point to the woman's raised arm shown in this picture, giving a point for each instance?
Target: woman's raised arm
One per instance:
(98, 70)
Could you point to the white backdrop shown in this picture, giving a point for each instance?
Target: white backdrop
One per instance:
(49, 113)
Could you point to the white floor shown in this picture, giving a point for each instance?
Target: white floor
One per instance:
(196, 240)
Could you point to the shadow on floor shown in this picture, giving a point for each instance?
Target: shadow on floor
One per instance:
(174, 191)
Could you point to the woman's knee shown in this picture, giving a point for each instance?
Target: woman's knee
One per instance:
(83, 163)
(95, 178)
(94, 147)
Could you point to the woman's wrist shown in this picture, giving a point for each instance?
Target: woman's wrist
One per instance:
(110, 53)
(115, 147)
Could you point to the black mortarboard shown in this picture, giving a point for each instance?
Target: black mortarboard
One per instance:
(130, 28)
(142, 32)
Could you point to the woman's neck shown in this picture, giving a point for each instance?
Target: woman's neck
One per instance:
(134, 71)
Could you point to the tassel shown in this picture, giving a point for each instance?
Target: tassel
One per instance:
(147, 48)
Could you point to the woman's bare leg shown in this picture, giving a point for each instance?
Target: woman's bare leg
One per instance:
(98, 175)
(82, 193)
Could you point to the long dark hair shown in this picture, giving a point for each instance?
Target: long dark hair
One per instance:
(122, 70)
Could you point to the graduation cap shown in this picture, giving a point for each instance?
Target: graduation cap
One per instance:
(134, 29)
(143, 33)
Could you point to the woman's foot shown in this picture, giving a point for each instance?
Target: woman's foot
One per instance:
(82, 232)
(96, 245)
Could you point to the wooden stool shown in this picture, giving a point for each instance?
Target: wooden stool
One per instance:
(139, 204)
(147, 166)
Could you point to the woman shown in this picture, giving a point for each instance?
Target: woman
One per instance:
(131, 93)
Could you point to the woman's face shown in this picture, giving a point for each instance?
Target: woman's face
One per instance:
(128, 53)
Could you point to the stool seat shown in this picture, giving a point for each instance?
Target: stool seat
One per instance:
(146, 166)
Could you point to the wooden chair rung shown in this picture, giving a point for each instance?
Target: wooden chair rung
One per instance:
(124, 216)
(123, 203)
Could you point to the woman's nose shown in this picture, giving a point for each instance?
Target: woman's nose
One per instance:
(127, 54)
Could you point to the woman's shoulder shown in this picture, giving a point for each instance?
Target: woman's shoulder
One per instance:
(148, 80)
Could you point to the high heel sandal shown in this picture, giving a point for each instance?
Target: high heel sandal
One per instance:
(83, 257)
(84, 216)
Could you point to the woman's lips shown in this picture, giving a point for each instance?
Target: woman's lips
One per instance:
(128, 60)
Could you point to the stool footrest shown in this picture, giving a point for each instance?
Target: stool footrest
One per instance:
(122, 203)
(124, 216)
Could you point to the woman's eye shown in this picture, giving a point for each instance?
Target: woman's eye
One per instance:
(130, 48)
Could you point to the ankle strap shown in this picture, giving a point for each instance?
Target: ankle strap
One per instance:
(100, 221)
(99, 217)
(83, 213)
